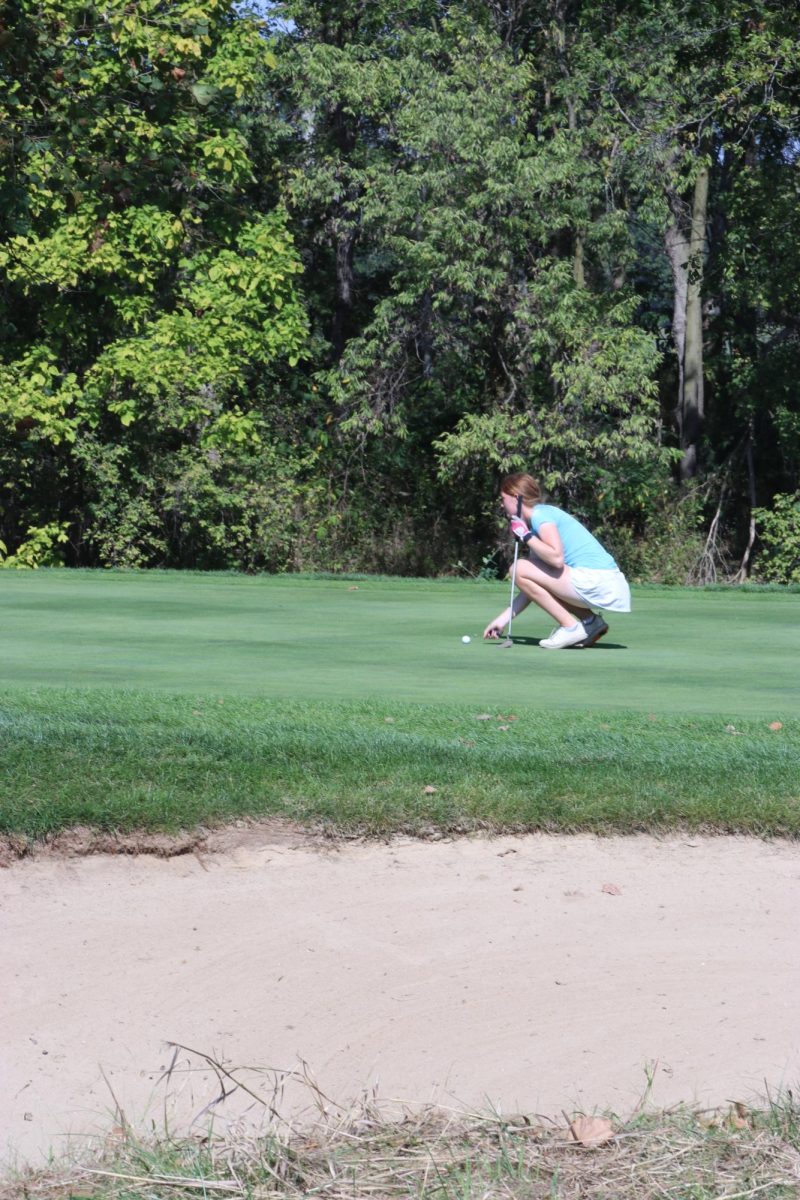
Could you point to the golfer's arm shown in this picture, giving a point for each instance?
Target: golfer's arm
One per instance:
(521, 602)
(547, 546)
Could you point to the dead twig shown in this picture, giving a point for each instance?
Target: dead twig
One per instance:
(168, 1181)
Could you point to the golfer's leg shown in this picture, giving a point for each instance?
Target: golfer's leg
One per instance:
(552, 591)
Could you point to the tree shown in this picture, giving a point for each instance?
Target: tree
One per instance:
(143, 291)
(553, 233)
(467, 187)
(696, 114)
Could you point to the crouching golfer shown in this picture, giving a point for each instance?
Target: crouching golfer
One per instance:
(567, 572)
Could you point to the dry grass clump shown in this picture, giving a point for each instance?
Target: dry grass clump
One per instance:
(435, 1154)
(379, 1150)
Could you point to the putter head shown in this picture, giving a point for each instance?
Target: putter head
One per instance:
(505, 645)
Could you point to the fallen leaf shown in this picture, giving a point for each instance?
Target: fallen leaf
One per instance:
(652, 717)
(503, 726)
(483, 716)
(466, 741)
(389, 720)
(775, 725)
(352, 589)
(611, 889)
(429, 790)
(730, 729)
(591, 1131)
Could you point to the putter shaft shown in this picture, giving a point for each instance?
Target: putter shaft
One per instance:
(508, 642)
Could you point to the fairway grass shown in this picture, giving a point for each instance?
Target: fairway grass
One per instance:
(163, 701)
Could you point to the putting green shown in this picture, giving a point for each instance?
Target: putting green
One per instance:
(733, 653)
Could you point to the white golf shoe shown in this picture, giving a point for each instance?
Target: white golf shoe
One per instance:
(561, 638)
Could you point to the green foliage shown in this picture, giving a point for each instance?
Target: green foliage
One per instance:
(235, 310)
(668, 544)
(599, 410)
(246, 506)
(779, 530)
(458, 195)
(40, 548)
(142, 287)
(477, 197)
(758, 274)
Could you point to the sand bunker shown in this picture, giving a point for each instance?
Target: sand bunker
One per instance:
(531, 973)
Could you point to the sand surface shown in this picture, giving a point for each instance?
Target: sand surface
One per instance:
(533, 974)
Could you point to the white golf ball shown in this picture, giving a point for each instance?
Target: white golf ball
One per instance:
(465, 639)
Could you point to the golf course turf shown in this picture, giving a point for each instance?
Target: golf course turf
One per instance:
(161, 700)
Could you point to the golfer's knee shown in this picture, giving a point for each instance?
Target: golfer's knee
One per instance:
(533, 585)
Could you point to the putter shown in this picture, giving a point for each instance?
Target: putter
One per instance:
(508, 642)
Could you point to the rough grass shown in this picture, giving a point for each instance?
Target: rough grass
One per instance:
(116, 760)
(682, 1154)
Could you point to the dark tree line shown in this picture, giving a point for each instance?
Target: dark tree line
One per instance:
(294, 290)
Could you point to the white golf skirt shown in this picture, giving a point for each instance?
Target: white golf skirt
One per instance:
(602, 589)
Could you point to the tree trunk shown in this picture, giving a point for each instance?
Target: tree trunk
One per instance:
(577, 262)
(677, 247)
(685, 242)
(578, 269)
(345, 237)
(559, 28)
(744, 565)
(693, 407)
(344, 232)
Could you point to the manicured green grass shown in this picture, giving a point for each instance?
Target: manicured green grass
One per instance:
(732, 654)
(160, 701)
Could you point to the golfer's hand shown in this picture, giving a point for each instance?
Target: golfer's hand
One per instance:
(519, 529)
(494, 629)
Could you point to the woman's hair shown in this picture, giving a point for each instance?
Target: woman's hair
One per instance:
(522, 484)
